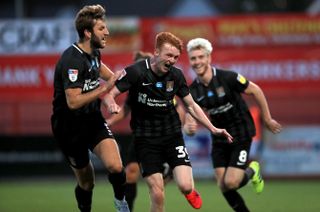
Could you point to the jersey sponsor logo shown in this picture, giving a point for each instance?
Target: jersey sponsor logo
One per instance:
(160, 103)
(169, 86)
(241, 79)
(157, 103)
(90, 85)
(145, 83)
(73, 74)
(221, 109)
(142, 97)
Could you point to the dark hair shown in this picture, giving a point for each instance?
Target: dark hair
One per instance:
(140, 55)
(168, 37)
(86, 18)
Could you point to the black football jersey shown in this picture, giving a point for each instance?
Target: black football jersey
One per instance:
(224, 104)
(76, 69)
(151, 97)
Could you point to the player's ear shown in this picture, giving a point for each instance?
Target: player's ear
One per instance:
(209, 58)
(156, 52)
(87, 33)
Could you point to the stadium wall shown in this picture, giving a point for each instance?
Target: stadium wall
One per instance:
(279, 52)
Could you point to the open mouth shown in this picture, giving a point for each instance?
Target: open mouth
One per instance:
(168, 66)
(104, 41)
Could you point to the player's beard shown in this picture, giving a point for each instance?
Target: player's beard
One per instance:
(95, 42)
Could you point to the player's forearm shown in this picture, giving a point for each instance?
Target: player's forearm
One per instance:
(263, 105)
(197, 113)
(115, 118)
(76, 100)
(109, 101)
(189, 125)
(105, 72)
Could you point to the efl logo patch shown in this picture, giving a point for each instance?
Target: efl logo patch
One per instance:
(73, 74)
(241, 79)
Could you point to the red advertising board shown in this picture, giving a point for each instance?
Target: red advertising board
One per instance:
(288, 71)
(239, 31)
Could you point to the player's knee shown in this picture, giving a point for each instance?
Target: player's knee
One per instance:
(118, 178)
(87, 185)
(115, 168)
(231, 183)
(133, 173)
(85, 177)
(185, 187)
(157, 195)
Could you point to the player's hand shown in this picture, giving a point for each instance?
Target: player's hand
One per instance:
(114, 108)
(190, 128)
(111, 81)
(273, 126)
(223, 133)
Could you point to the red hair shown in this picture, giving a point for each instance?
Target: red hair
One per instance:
(168, 37)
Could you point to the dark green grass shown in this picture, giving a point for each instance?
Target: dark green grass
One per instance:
(56, 195)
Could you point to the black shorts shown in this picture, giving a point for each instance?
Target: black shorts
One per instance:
(153, 152)
(77, 135)
(235, 154)
(127, 151)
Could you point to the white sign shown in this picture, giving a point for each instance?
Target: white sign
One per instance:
(293, 152)
(36, 36)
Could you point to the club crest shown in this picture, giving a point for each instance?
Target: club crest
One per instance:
(220, 91)
(169, 86)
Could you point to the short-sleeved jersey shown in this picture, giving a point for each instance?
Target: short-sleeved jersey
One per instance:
(223, 101)
(76, 69)
(151, 99)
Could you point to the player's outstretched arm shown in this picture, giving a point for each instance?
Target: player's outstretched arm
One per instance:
(256, 91)
(197, 113)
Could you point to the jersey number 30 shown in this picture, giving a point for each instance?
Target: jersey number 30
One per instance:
(182, 151)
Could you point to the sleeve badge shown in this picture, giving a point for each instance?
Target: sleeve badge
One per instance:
(241, 79)
(73, 74)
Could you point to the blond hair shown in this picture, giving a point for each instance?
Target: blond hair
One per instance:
(199, 43)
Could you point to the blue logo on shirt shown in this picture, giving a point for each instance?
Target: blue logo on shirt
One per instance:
(159, 85)
(210, 93)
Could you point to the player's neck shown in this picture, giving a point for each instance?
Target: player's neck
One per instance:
(155, 69)
(206, 77)
(85, 46)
